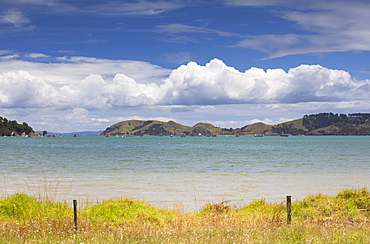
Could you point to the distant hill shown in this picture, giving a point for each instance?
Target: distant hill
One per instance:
(205, 129)
(327, 124)
(315, 124)
(256, 128)
(150, 127)
(337, 124)
(294, 127)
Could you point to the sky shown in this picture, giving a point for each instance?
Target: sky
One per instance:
(68, 66)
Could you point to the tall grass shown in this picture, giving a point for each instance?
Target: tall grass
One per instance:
(21, 206)
(343, 218)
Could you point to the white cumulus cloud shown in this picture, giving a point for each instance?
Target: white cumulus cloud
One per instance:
(216, 83)
(79, 93)
(20, 89)
(212, 84)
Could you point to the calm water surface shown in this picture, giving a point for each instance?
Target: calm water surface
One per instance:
(190, 171)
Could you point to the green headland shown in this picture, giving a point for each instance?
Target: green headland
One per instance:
(315, 124)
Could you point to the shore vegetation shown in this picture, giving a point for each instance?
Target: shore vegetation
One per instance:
(344, 218)
(12, 128)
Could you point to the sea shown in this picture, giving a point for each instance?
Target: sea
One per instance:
(183, 172)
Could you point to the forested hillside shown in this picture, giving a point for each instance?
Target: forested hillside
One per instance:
(338, 124)
(12, 128)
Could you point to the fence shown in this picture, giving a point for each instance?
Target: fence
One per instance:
(288, 205)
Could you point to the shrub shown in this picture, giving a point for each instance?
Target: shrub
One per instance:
(117, 210)
(21, 206)
(355, 199)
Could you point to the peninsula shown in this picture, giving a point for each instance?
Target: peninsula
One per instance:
(314, 124)
(12, 128)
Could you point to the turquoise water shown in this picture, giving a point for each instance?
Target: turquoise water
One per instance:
(190, 171)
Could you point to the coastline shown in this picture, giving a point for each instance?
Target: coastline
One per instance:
(189, 191)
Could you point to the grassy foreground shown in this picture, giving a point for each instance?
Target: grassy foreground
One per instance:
(343, 218)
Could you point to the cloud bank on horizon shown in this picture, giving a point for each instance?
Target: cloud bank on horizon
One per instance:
(238, 63)
(192, 84)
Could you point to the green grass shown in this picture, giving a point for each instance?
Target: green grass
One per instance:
(343, 218)
(348, 203)
(21, 206)
(117, 211)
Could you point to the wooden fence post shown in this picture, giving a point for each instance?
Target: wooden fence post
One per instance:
(75, 214)
(289, 209)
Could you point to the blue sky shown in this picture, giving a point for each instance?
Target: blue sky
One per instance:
(84, 65)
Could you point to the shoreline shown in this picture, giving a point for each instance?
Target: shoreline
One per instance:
(192, 192)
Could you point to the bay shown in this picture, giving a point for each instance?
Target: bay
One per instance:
(187, 172)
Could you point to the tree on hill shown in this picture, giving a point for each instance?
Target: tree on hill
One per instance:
(316, 121)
